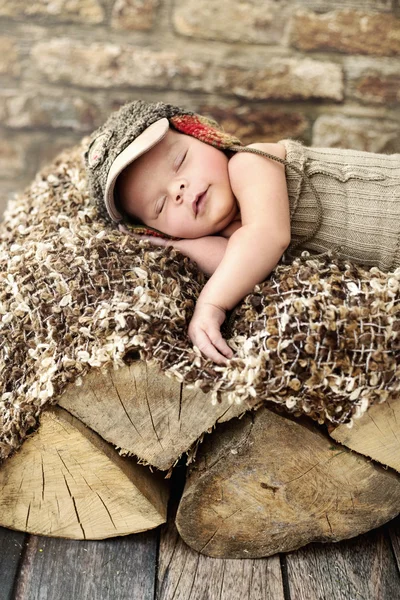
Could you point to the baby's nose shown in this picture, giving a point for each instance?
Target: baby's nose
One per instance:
(183, 193)
(180, 192)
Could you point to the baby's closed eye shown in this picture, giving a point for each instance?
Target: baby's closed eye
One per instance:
(180, 160)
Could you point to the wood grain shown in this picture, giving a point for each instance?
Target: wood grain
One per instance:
(266, 484)
(362, 568)
(130, 568)
(117, 569)
(144, 412)
(376, 434)
(68, 482)
(11, 550)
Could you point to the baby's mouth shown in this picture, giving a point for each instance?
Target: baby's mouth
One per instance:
(198, 203)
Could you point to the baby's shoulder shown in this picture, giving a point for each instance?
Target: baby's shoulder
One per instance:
(274, 148)
(245, 168)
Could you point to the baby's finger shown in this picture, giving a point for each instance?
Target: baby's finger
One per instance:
(222, 346)
(214, 355)
(207, 348)
(155, 240)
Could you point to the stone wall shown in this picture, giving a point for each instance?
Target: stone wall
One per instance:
(326, 72)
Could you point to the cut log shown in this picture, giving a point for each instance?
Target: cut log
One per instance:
(142, 411)
(66, 481)
(147, 414)
(267, 483)
(376, 434)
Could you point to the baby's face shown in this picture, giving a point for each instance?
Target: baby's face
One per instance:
(180, 186)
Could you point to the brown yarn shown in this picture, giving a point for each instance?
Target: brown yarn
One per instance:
(319, 337)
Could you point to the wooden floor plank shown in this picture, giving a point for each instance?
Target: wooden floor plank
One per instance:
(120, 568)
(393, 529)
(11, 549)
(363, 568)
(184, 574)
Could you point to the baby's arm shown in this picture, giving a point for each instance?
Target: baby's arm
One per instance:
(206, 251)
(253, 250)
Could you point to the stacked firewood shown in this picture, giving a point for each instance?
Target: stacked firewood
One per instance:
(258, 481)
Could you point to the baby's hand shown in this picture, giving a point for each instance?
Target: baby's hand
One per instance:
(157, 241)
(204, 331)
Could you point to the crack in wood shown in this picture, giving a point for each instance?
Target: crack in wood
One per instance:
(223, 414)
(62, 460)
(316, 465)
(180, 405)
(330, 526)
(219, 527)
(75, 508)
(301, 475)
(108, 512)
(43, 479)
(27, 517)
(374, 422)
(222, 582)
(391, 408)
(193, 579)
(148, 406)
(126, 412)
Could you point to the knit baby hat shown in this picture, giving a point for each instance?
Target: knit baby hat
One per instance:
(122, 128)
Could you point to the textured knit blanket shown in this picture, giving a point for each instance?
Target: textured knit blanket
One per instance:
(318, 337)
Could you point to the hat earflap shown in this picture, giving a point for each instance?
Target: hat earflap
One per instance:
(204, 129)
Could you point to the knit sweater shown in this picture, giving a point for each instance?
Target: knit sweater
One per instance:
(360, 201)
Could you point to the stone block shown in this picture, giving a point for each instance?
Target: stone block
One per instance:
(130, 15)
(328, 5)
(253, 124)
(44, 148)
(373, 81)
(282, 79)
(12, 157)
(244, 21)
(85, 11)
(106, 65)
(349, 31)
(372, 135)
(9, 61)
(51, 110)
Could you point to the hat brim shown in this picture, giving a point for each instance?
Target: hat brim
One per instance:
(143, 143)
